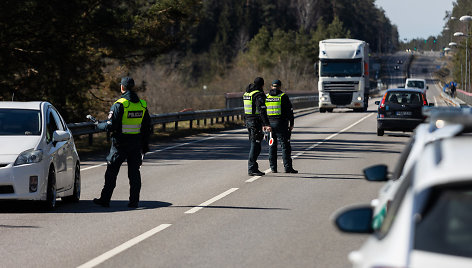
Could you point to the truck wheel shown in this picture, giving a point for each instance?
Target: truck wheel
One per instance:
(380, 132)
(322, 110)
(330, 110)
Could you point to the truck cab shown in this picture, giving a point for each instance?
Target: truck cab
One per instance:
(343, 71)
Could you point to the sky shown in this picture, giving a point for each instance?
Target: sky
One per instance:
(416, 18)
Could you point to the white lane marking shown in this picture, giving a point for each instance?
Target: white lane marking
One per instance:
(214, 199)
(435, 101)
(109, 254)
(331, 136)
(258, 177)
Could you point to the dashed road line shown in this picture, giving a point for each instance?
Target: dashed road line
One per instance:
(210, 201)
(111, 253)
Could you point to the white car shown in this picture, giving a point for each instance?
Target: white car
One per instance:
(416, 83)
(429, 222)
(38, 158)
(444, 122)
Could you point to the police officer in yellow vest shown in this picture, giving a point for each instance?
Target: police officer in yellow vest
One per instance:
(130, 124)
(256, 121)
(280, 112)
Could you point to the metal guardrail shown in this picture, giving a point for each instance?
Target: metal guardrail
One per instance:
(215, 116)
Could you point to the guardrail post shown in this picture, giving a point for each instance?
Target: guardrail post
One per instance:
(176, 125)
(205, 122)
(90, 139)
(211, 121)
(164, 127)
(198, 122)
(191, 124)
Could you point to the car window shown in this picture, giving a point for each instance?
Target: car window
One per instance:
(404, 97)
(417, 84)
(20, 122)
(57, 118)
(444, 226)
(397, 172)
(51, 126)
(395, 205)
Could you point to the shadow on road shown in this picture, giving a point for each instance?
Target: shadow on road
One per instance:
(84, 206)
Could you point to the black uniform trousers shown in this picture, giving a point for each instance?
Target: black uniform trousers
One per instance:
(129, 149)
(254, 128)
(280, 133)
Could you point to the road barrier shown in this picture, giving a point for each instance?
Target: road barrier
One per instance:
(214, 116)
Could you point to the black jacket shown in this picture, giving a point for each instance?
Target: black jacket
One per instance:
(113, 123)
(287, 109)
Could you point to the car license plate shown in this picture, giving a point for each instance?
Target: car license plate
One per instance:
(404, 113)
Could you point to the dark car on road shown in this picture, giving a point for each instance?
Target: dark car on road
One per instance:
(400, 110)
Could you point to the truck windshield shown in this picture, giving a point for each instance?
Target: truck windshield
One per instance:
(343, 67)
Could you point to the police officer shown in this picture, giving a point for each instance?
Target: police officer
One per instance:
(256, 121)
(130, 124)
(280, 112)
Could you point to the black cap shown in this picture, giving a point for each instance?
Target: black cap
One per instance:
(259, 82)
(276, 83)
(127, 82)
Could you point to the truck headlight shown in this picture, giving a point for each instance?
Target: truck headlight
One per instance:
(29, 157)
(359, 98)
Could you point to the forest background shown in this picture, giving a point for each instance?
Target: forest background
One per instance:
(182, 54)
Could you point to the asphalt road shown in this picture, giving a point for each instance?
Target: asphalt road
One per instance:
(199, 207)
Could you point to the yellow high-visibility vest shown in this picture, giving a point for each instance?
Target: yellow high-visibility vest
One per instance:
(248, 103)
(274, 104)
(133, 113)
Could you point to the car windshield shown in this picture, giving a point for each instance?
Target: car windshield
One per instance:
(341, 67)
(416, 84)
(18, 122)
(445, 225)
(404, 97)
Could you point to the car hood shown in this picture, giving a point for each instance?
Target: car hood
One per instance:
(12, 146)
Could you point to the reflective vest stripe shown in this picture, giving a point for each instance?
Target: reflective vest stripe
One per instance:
(133, 113)
(274, 104)
(248, 103)
(130, 129)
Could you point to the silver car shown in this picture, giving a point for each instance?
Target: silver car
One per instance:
(38, 157)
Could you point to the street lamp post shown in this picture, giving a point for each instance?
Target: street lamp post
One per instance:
(467, 19)
(463, 82)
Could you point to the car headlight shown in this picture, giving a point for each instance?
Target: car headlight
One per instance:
(29, 157)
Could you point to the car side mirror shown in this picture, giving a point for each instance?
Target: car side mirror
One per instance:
(60, 135)
(355, 220)
(316, 68)
(427, 87)
(376, 173)
(377, 102)
(430, 104)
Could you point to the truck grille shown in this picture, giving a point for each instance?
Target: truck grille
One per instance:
(341, 86)
(6, 189)
(340, 98)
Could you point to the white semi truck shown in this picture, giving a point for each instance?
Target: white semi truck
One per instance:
(343, 72)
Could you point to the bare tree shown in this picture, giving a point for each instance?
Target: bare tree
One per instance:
(308, 12)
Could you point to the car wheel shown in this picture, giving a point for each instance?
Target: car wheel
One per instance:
(322, 110)
(380, 132)
(75, 197)
(51, 192)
